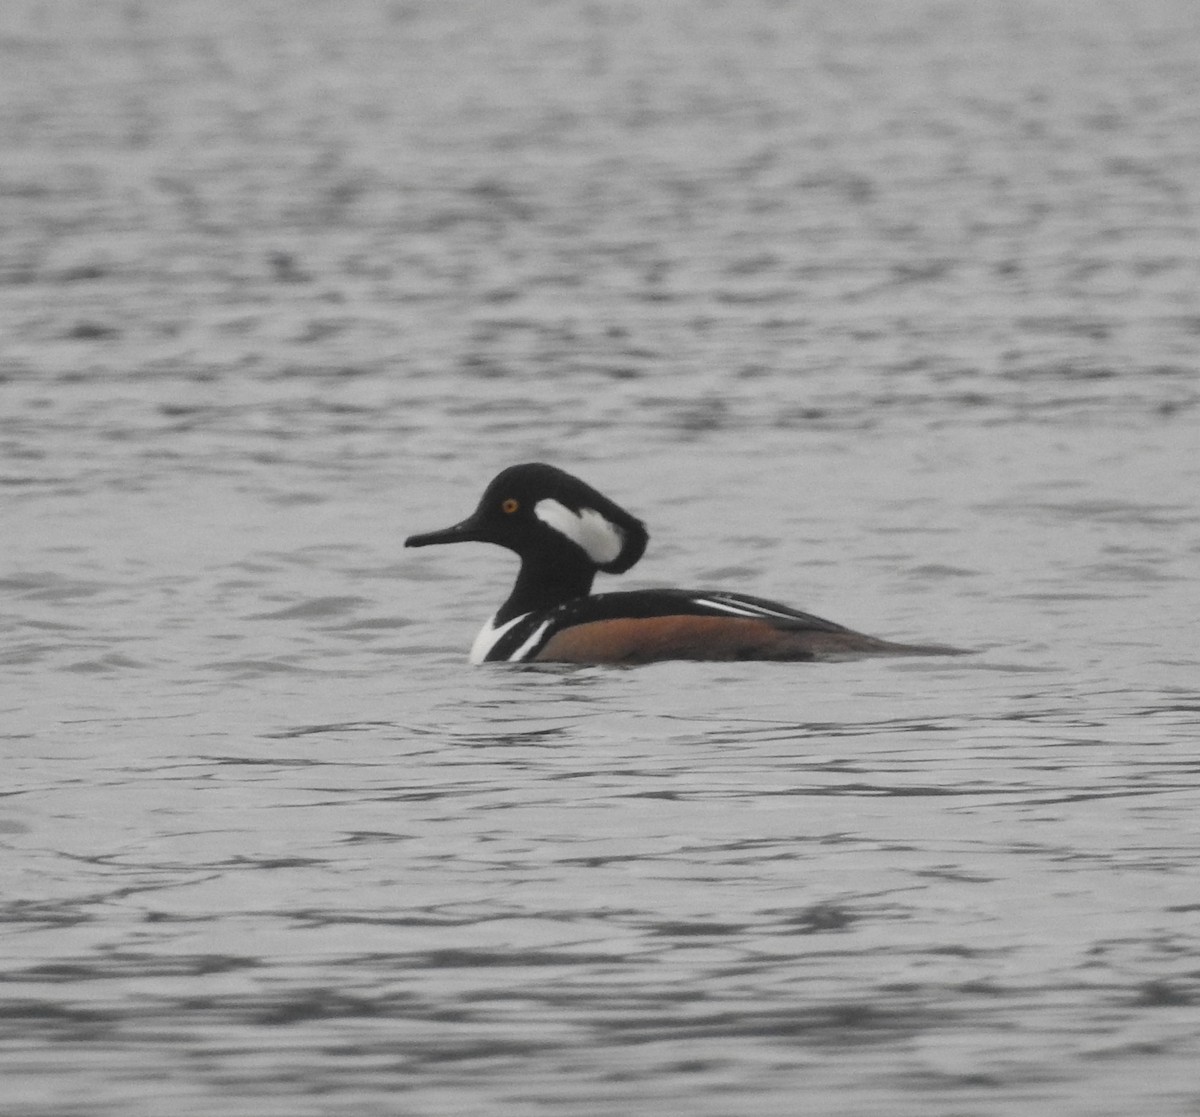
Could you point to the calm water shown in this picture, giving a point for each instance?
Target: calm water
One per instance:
(888, 311)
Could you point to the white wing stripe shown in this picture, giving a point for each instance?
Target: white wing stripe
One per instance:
(726, 607)
(743, 608)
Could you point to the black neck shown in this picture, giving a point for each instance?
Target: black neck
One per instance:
(545, 581)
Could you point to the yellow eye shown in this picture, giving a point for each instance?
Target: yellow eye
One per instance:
(510, 506)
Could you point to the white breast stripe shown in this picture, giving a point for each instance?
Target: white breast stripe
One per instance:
(600, 539)
(529, 644)
(486, 640)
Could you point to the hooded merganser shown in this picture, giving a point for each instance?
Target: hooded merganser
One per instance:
(564, 531)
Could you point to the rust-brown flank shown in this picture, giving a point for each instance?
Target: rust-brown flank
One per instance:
(644, 639)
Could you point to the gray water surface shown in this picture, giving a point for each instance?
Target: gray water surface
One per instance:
(886, 311)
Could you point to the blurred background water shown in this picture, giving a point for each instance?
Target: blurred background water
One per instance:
(887, 311)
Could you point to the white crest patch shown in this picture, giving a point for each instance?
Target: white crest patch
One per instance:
(600, 539)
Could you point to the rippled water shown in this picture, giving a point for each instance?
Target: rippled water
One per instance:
(887, 311)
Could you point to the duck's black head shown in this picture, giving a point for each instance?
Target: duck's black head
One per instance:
(563, 530)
